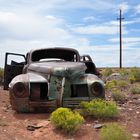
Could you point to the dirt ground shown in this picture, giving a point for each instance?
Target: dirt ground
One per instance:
(15, 126)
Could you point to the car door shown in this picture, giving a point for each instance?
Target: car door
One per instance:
(14, 64)
(91, 68)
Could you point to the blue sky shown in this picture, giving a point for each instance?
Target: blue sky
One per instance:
(90, 26)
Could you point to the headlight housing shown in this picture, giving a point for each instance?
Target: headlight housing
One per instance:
(19, 90)
(97, 89)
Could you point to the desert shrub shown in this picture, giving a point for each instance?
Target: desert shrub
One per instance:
(107, 72)
(111, 84)
(122, 84)
(131, 79)
(118, 95)
(124, 72)
(116, 84)
(135, 89)
(66, 119)
(114, 131)
(1, 75)
(99, 108)
(134, 75)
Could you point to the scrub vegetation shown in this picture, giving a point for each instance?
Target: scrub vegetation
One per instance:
(134, 75)
(66, 119)
(113, 131)
(118, 115)
(99, 109)
(135, 89)
(107, 72)
(1, 75)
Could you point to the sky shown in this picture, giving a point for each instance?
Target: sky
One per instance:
(90, 26)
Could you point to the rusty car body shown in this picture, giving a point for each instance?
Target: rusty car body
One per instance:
(50, 78)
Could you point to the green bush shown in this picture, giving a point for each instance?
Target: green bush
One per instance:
(111, 84)
(116, 84)
(135, 75)
(135, 89)
(1, 75)
(118, 95)
(107, 72)
(99, 108)
(114, 131)
(131, 79)
(122, 84)
(124, 72)
(66, 119)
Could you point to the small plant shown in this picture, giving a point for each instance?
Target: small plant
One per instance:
(116, 84)
(135, 89)
(118, 95)
(66, 119)
(1, 75)
(114, 131)
(111, 84)
(99, 108)
(107, 72)
(135, 75)
(122, 84)
(124, 72)
(131, 79)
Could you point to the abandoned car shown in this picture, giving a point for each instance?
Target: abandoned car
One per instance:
(49, 78)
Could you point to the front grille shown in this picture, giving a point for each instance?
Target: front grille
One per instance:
(38, 91)
(79, 90)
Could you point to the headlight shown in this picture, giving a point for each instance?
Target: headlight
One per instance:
(19, 90)
(97, 89)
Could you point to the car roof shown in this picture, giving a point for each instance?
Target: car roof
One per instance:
(54, 50)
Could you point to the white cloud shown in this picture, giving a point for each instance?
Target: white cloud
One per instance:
(89, 18)
(27, 27)
(137, 9)
(131, 57)
(28, 24)
(21, 32)
(23, 46)
(102, 55)
(20, 26)
(126, 40)
(98, 29)
(57, 4)
(124, 7)
(135, 30)
(96, 5)
(7, 17)
(124, 22)
(108, 55)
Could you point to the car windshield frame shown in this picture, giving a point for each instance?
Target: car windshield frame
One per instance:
(57, 53)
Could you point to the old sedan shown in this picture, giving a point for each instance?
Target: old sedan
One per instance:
(50, 78)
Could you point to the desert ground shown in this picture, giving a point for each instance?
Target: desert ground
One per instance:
(19, 126)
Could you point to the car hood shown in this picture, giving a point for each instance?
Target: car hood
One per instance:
(64, 69)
